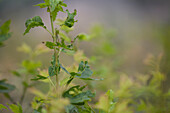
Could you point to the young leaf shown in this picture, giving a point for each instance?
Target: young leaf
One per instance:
(16, 108)
(3, 107)
(56, 6)
(70, 18)
(53, 4)
(33, 22)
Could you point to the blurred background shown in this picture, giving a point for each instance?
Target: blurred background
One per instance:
(129, 34)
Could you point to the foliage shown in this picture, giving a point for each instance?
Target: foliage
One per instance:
(61, 89)
(70, 89)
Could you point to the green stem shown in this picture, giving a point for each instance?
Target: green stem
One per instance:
(52, 84)
(23, 95)
(54, 36)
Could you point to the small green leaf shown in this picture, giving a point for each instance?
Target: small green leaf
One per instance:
(5, 87)
(83, 36)
(42, 5)
(56, 6)
(86, 73)
(16, 108)
(76, 95)
(3, 107)
(50, 45)
(33, 22)
(31, 66)
(4, 29)
(39, 77)
(53, 4)
(81, 66)
(51, 71)
(16, 73)
(4, 32)
(66, 28)
(85, 70)
(70, 18)
(25, 84)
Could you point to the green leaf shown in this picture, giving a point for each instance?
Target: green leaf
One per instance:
(16, 108)
(86, 73)
(25, 84)
(4, 37)
(83, 36)
(76, 96)
(3, 107)
(5, 87)
(79, 109)
(64, 36)
(51, 71)
(70, 18)
(66, 28)
(50, 45)
(53, 4)
(16, 73)
(31, 66)
(1, 44)
(39, 77)
(33, 22)
(42, 5)
(74, 88)
(56, 6)
(4, 31)
(81, 66)
(64, 69)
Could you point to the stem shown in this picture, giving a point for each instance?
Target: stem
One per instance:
(25, 87)
(52, 84)
(54, 36)
(23, 95)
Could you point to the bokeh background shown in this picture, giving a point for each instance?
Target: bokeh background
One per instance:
(128, 33)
